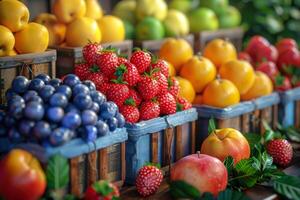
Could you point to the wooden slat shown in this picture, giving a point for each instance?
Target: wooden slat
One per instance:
(255, 121)
(275, 116)
(178, 143)
(154, 147)
(265, 115)
(297, 114)
(103, 163)
(92, 167)
(6, 77)
(230, 123)
(193, 137)
(123, 161)
(168, 136)
(74, 176)
(245, 123)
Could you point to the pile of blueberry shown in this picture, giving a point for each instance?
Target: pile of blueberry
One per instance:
(53, 111)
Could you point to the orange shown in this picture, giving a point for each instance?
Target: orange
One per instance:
(186, 89)
(198, 100)
(220, 51)
(239, 72)
(176, 51)
(262, 86)
(199, 71)
(221, 93)
(172, 71)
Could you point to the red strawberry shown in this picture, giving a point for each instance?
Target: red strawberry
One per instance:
(163, 66)
(173, 86)
(82, 71)
(100, 81)
(135, 97)
(107, 61)
(282, 83)
(130, 113)
(122, 60)
(90, 52)
(148, 87)
(102, 190)
(281, 151)
(163, 82)
(183, 104)
(117, 92)
(149, 110)
(148, 180)
(141, 60)
(167, 104)
(128, 73)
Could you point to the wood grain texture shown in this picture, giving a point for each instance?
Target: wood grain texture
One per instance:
(265, 115)
(245, 127)
(193, 137)
(154, 147)
(229, 123)
(168, 137)
(92, 175)
(74, 176)
(123, 162)
(297, 114)
(103, 163)
(275, 116)
(178, 143)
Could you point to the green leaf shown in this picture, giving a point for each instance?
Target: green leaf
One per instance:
(229, 164)
(70, 197)
(246, 173)
(269, 135)
(57, 172)
(211, 125)
(232, 195)
(293, 134)
(253, 139)
(266, 161)
(102, 188)
(288, 186)
(181, 189)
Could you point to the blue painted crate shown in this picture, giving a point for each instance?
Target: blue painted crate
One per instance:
(162, 140)
(289, 108)
(245, 116)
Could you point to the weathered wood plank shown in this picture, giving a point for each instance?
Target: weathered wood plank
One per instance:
(245, 123)
(103, 163)
(193, 137)
(154, 147)
(275, 116)
(178, 143)
(74, 176)
(92, 167)
(265, 115)
(168, 137)
(230, 123)
(297, 114)
(123, 161)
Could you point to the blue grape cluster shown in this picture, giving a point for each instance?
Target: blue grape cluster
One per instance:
(53, 111)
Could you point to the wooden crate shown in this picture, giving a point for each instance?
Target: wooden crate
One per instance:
(28, 65)
(246, 116)
(154, 45)
(162, 140)
(289, 108)
(234, 35)
(67, 57)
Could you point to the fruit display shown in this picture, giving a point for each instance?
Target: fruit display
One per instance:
(54, 111)
(140, 86)
(102, 190)
(18, 35)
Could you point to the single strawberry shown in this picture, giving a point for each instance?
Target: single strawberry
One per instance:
(141, 60)
(148, 86)
(162, 81)
(102, 190)
(130, 113)
(134, 96)
(90, 52)
(117, 92)
(99, 79)
(282, 83)
(162, 65)
(107, 60)
(122, 60)
(149, 110)
(82, 71)
(128, 73)
(148, 180)
(183, 104)
(167, 104)
(173, 86)
(281, 151)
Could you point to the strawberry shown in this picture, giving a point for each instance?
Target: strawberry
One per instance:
(148, 87)
(149, 110)
(122, 60)
(107, 60)
(130, 113)
(117, 92)
(281, 151)
(82, 71)
(135, 97)
(128, 73)
(167, 104)
(173, 86)
(90, 52)
(183, 104)
(101, 82)
(282, 83)
(162, 65)
(141, 60)
(148, 180)
(102, 190)
(162, 81)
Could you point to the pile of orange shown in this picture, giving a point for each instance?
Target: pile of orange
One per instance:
(217, 78)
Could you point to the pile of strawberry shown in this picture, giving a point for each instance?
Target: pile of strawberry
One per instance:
(140, 86)
(281, 62)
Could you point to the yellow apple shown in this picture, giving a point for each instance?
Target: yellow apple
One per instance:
(7, 41)
(56, 29)
(12, 52)
(82, 31)
(66, 11)
(93, 9)
(14, 15)
(34, 38)
(112, 29)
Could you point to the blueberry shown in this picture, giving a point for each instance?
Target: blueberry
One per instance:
(15, 109)
(36, 84)
(46, 92)
(71, 108)
(34, 111)
(90, 85)
(60, 136)
(108, 110)
(80, 89)
(41, 130)
(64, 89)
(14, 136)
(82, 101)
(25, 127)
(59, 100)
(55, 114)
(112, 124)
(2, 116)
(53, 126)
(71, 80)
(3, 131)
(98, 97)
(44, 77)
(15, 99)
(9, 121)
(88, 117)
(10, 94)
(121, 120)
(55, 82)
(35, 99)
(29, 94)
(71, 120)
(102, 128)
(90, 133)
(20, 84)
(95, 107)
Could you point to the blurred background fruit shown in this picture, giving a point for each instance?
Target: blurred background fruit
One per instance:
(229, 17)
(66, 12)
(125, 10)
(216, 5)
(112, 29)
(149, 28)
(93, 9)
(176, 24)
(152, 8)
(7, 41)
(203, 19)
(186, 89)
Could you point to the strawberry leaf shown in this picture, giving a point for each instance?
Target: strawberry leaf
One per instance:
(181, 189)
(102, 188)
(211, 125)
(229, 164)
(57, 172)
(288, 186)
(279, 80)
(157, 165)
(229, 194)
(253, 139)
(130, 102)
(179, 107)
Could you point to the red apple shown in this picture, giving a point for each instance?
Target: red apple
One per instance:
(268, 68)
(204, 172)
(284, 44)
(266, 53)
(282, 83)
(289, 58)
(254, 43)
(244, 56)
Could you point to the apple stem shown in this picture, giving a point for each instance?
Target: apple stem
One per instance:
(198, 153)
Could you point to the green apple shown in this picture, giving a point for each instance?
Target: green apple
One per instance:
(176, 23)
(181, 5)
(151, 8)
(216, 5)
(149, 28)
(129, 30)
(125, 10)
(229, 18)
(203, 19)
